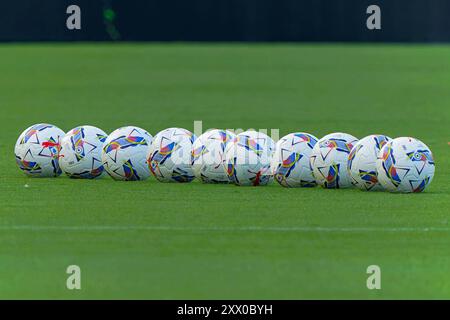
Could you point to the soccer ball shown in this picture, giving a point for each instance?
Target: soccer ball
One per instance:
(362, 162)
(247, 162)
(263, 140)
(405, 165)
(124, 154)
(169, 156)
(329, 159)
(81, 152)
(290, 162)
(37, 150)
(208, 156)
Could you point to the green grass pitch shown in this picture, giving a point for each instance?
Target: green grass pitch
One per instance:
(179, 241)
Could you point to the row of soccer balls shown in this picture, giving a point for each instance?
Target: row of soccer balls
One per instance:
(338, 160)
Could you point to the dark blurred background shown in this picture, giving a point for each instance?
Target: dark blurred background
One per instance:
(226, 20)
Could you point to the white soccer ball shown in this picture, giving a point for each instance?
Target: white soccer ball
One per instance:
(248, 162)
(81, 152)
(329, 160)
(169, 156)
(37, 150)
(124, 154)
(262, 139)
(362, 162)
(290, 162)
(208, 160)
(405, 165)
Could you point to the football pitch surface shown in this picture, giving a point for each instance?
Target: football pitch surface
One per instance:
(153, 240)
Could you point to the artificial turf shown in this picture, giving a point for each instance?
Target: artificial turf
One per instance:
(187, 241)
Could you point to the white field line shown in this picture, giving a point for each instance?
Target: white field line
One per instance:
(109, 228)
